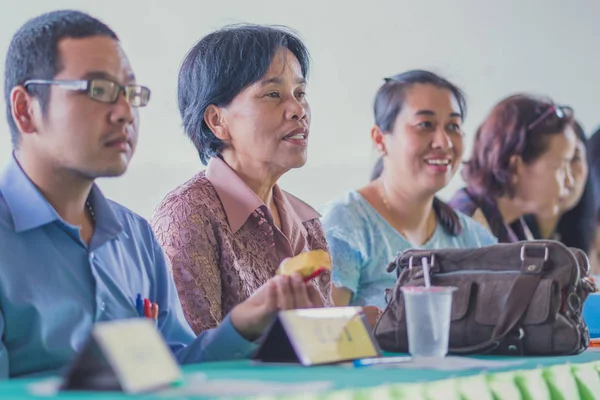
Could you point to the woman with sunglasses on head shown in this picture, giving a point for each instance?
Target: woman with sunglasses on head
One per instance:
(418, 133)
(575, 225)
(521, 164)
(593, 148)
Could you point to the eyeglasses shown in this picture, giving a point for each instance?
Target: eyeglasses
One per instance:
(553, 114)
(102, 90)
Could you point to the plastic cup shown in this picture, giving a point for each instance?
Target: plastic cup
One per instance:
(428, 314)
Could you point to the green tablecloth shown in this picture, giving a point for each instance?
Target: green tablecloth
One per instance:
(563, 377)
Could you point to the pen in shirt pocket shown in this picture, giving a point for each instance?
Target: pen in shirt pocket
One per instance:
(146, 308)
(139, 305)
(155, 313)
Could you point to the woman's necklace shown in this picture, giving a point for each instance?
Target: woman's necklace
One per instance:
(390, 213)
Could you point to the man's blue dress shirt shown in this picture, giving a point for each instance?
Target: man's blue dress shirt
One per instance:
(54, 287)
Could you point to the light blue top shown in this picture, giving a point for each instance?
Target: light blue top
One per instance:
(53, 287)
(362, 243)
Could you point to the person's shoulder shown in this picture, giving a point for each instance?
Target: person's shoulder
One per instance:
(475, 232)
(140, 238)
(130, 220)
(349, 201)
(136, 229)
(345, 208)
(464, 202)
(302, 208)
(467, 221)
(197, 195)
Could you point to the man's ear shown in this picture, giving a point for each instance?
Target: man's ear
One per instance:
(23, 107)
(214, 117)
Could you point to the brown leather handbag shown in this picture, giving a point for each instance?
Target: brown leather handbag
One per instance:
(522, 298)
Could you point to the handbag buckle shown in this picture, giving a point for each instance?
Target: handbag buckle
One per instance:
(431, 264)
(530, 245)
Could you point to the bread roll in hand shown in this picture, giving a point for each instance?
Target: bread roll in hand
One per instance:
(309, 264)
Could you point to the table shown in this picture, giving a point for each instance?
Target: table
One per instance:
(567, 377)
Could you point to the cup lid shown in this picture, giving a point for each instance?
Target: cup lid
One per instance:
(431, 289)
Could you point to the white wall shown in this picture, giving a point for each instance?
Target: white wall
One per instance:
(489, 48)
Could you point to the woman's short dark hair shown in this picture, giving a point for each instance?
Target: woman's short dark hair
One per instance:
(506, 132)
(33, 53)
(220, 66)
(388, 104)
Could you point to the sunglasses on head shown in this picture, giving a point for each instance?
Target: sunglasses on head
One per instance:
(549, 117)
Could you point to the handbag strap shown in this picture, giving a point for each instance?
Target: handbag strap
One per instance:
(517, 302)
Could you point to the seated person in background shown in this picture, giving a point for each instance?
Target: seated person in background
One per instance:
(418, 133)
(593, 148)
(575, 225)
(521, 164)
(68, 256)
(242, 100)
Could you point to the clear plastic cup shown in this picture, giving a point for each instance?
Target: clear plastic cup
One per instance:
(428, 312)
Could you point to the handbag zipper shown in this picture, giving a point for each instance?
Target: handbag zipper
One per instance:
(476, 271)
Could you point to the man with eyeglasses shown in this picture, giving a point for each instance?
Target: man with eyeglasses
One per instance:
(68, 256)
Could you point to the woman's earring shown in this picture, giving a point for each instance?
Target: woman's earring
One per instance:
(381, 150)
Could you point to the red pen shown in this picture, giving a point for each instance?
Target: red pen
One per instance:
(147, 308)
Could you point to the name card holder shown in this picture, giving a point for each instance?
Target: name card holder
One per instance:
(125, 355)
(318, 336)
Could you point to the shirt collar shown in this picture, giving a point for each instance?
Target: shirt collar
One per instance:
(239, 201)
(30, 209)
(107, 224)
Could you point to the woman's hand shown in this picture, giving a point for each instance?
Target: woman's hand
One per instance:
(372, 314)
(254, 315)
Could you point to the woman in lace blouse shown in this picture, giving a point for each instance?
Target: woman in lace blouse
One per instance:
(241, 96)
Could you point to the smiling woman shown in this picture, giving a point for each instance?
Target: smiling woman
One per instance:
(242, 98)
(418, 133)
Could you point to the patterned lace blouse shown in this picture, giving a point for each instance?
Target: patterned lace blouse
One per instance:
(223, 245)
